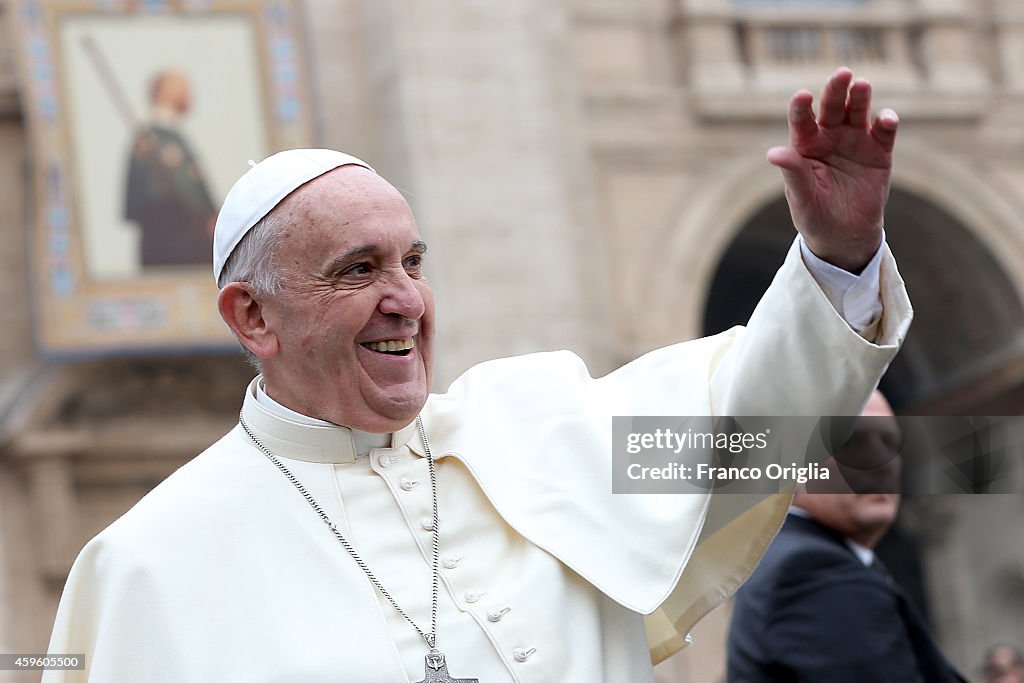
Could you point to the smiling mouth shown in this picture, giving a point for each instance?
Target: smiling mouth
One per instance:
(391, 347)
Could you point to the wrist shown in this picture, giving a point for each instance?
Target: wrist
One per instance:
(850, 255)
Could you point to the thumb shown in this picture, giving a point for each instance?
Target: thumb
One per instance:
(796, 173)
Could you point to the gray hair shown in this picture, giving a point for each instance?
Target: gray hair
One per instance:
(253, 262)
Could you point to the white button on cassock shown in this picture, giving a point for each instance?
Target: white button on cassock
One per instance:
(451, 562)
(473, 597)
(408, 484)
(495, 615)
(522, 654)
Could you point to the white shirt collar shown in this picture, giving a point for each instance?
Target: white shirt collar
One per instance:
(290, 434)
(863, 553)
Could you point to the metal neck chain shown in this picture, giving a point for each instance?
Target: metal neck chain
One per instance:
(430, 638)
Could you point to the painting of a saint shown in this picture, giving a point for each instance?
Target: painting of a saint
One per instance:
(143, 115)
(166, 193)
(155, 135)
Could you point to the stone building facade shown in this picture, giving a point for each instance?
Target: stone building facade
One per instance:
(590, 175)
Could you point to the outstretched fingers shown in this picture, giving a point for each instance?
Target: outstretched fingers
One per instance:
(884, 129)
(858, 107)
(802, 124)
(833, 99)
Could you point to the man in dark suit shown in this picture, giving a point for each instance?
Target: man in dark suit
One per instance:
(820, 607)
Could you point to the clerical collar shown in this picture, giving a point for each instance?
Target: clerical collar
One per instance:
(284, 411)
(301, 437)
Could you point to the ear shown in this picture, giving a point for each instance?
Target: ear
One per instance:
(243, 313)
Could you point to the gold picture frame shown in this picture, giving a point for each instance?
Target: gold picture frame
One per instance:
(142, 114)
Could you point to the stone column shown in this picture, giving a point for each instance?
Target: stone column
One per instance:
(947, 47)
(712, 46)
(1008, 18)
(480, 123)
(54, 514)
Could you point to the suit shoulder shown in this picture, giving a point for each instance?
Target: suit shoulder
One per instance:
(799, 563)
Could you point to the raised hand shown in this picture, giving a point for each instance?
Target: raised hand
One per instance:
(836, 170)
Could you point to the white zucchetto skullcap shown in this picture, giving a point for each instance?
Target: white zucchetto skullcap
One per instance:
(263, 187)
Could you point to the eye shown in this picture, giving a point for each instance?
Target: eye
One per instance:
(414, 262)
(357, 269)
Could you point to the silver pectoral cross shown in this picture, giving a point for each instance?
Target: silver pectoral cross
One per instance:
(435, 670)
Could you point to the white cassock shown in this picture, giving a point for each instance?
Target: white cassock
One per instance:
(224, 572)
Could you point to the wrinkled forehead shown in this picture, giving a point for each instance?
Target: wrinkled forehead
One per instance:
(347, 211)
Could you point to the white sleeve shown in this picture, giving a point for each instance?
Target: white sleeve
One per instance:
(857, 298)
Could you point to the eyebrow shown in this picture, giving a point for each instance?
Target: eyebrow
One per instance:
(355, 253)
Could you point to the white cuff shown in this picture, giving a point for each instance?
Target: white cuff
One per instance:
(857, 298)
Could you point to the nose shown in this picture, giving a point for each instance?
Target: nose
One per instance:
(403, 296)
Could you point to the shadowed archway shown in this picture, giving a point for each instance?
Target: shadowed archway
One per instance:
(965, 345)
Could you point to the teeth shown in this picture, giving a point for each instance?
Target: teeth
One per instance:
(390, 345)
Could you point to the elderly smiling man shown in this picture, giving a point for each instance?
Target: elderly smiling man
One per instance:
(355, 528)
